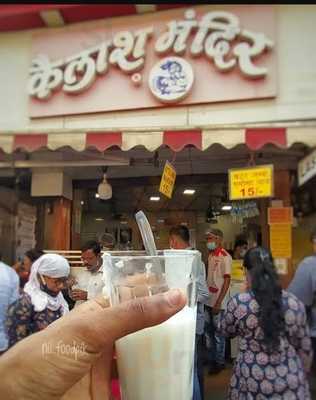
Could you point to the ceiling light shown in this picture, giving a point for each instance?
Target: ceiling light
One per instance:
(82, 202)
(97, 195)
(104, 189)
(154, 198)
(226, 208)
(99, 219)
(189, 191)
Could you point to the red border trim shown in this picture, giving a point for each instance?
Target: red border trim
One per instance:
(258, 137)
(177, 140)
(103, 141)
(30, 142)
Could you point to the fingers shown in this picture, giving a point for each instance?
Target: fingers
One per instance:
(137, 285)
(78, 294)
(74, 296)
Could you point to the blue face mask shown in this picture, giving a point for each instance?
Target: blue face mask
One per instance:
(211, 245)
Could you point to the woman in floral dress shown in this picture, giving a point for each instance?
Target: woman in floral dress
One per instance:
(41, 302)
(275, 351)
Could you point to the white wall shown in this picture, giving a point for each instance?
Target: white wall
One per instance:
(296, 52)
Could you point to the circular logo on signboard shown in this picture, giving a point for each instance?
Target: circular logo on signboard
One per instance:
(171, 79)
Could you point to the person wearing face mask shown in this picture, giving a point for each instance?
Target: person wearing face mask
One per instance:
(218, 280)
(240, 249)
(41, 302)
(89, 284)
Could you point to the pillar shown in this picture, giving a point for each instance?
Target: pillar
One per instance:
(55, 187)
(282, 187)
(57, 234)
(263, 207)
(79, 203)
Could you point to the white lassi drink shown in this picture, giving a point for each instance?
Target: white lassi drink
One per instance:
(157, 363)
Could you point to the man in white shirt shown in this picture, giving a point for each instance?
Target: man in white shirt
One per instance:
(89, 284)
(218, 280)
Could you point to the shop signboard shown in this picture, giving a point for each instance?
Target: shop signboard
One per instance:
(168, 180)
(202, 54)
(306, 168)
(281, 240)
(251, 182)
(280, 215)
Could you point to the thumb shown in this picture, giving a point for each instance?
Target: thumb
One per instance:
(141, 313)
(98, 325)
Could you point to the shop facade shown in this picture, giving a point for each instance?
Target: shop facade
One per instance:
(186, 81)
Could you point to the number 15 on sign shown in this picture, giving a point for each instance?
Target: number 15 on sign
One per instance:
(251, 182)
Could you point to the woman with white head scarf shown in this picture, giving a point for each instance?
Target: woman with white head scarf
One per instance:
(42, 301)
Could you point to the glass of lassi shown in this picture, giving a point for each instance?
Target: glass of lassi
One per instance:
(155, 363)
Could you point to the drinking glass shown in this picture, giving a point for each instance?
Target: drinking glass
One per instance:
(155, 363)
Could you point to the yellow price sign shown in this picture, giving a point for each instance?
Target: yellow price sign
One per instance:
(251, 182)
(168, 180)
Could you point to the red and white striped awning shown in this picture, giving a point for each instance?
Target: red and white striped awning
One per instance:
(254, 138)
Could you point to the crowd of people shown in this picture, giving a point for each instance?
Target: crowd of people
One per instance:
(276, 328)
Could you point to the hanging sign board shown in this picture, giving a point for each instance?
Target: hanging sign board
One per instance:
(281, 240)
(306, 168)
(251, 182)
(280, 215)
(168, 180)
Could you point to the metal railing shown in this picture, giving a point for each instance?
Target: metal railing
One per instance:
(74, 256)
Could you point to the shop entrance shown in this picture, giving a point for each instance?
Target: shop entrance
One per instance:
(135, 176)
(200, 197)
